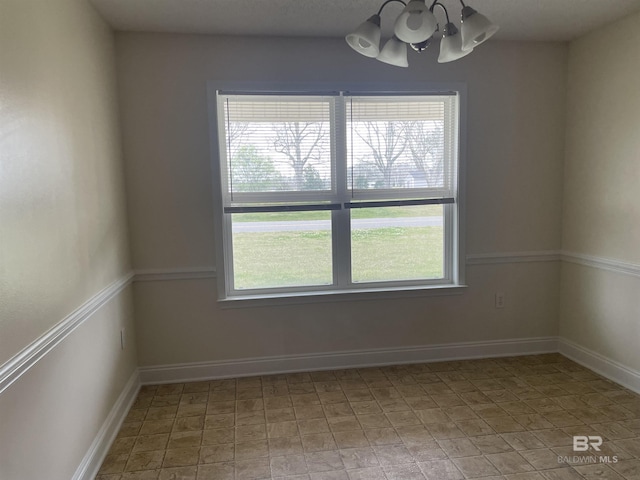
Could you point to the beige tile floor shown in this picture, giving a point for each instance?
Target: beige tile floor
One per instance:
(507, 418)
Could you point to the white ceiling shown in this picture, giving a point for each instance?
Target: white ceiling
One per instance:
(518, 19)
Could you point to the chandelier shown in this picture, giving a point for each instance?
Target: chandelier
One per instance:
(417, 26)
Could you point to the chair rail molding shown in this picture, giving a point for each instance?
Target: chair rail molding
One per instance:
(513, 257)
(495, 258)
(602, 263)
(206, 272)
(165, 274)
(20, 363)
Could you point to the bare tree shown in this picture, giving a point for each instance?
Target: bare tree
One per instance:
(425, 143)
(235, 131)
(387, 141)
(302, 143)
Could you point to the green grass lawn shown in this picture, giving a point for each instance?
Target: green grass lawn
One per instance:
(268, 259)
(395, 253)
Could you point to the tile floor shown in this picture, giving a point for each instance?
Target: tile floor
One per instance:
(507, 418)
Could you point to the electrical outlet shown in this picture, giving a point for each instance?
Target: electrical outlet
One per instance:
(122, 338)
(499, 299)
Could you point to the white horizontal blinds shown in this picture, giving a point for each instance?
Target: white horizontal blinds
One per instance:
(398, 147)
(278, 149)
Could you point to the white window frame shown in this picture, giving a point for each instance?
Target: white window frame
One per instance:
(454, 214)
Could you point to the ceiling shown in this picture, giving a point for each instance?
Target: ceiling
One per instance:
(537, 20)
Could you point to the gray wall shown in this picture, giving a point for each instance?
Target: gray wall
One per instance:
(516, 99)
(601, 309)
(63, 234)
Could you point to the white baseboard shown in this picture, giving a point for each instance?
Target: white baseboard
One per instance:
(88, 468)
(185, 372)
(608, 368)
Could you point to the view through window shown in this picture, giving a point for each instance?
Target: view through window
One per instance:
(337, 192)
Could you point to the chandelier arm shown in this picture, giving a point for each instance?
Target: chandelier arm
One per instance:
(442, 7)
(388, 2)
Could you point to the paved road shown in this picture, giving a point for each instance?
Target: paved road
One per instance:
(282, 226)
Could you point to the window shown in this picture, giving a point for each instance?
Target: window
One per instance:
(337, 193)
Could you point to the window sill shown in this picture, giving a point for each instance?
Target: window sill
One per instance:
(330, 296)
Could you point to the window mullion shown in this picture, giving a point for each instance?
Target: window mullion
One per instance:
(341, 219)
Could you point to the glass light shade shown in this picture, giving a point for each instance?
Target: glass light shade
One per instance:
(451, 45)
(394, 52)
(476, 28)
(366, 38)
(416, 23)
